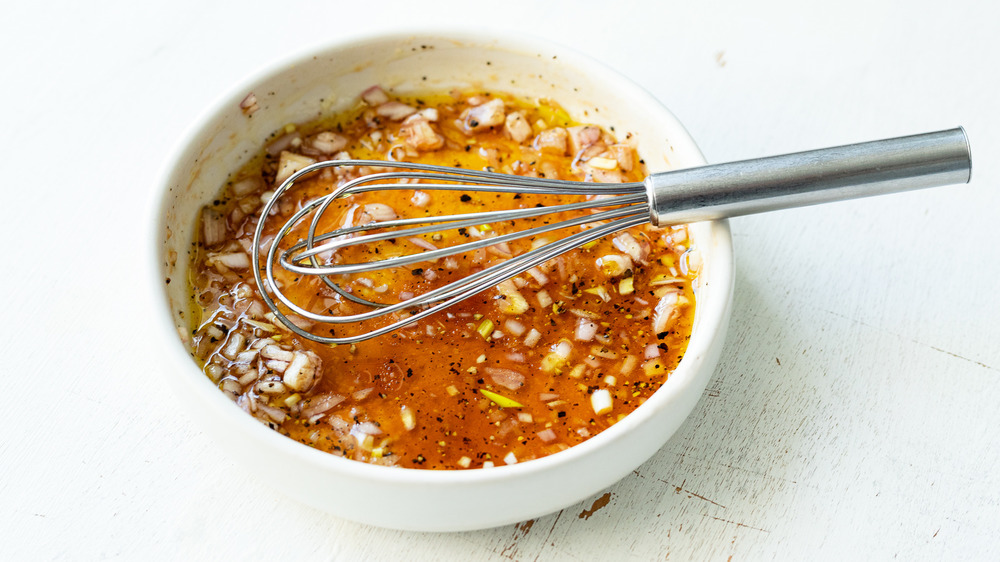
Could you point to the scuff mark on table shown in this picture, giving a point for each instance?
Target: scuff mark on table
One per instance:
(598, 504)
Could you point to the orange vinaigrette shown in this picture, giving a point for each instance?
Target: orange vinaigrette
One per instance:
(527, 369)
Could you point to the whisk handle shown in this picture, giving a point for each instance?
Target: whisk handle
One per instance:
(808, 178)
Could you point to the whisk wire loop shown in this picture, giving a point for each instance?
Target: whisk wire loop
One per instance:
(341, 238)
(694, 194)
(629, 208)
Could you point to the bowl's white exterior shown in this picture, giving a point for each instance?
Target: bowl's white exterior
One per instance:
(329, 78)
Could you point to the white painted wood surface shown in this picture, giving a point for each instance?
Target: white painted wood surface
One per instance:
(853, 415)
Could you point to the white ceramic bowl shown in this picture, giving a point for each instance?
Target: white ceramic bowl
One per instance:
(329, 78)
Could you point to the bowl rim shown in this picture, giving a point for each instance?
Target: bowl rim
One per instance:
(712, 325)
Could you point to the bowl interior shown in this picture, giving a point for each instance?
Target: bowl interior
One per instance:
(329, 80)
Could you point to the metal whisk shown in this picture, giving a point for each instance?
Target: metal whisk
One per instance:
(676, 197)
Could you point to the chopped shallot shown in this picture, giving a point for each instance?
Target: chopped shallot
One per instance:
(514, 327)
(547, 435)
(429, 113)
(363, 393)
(563, 349)
(544, 299)
(537, 274)
(338, 423)
(420, 198)
(514, 301)
(249, 104)
(321, 404)
(214, 372)
(275, 352)
(299, 321)
(409, 417)
(502, 249)
(271, 387)
(614, 265)
(276, 365)
(302, 371)
(551, 141)
(665, 312)
(367, 428)
(374, 96)
(247, 186)
(273, 413)
(601, 401)
(284, 142)
(586, 329)
(623, 155)
(582, 136)
(629, 364)
(691, 261)
(417, 241)
(380, 212)
(329, 142)
(628, 244)
(213, 225)
(395, 111)
(231, 385)
(507, 378)
(485, 116)
(532, 338)
(289, 163)
(517, 127)
(234, 346)
(419, 135)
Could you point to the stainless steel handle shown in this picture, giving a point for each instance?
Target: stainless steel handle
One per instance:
(808, 178)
